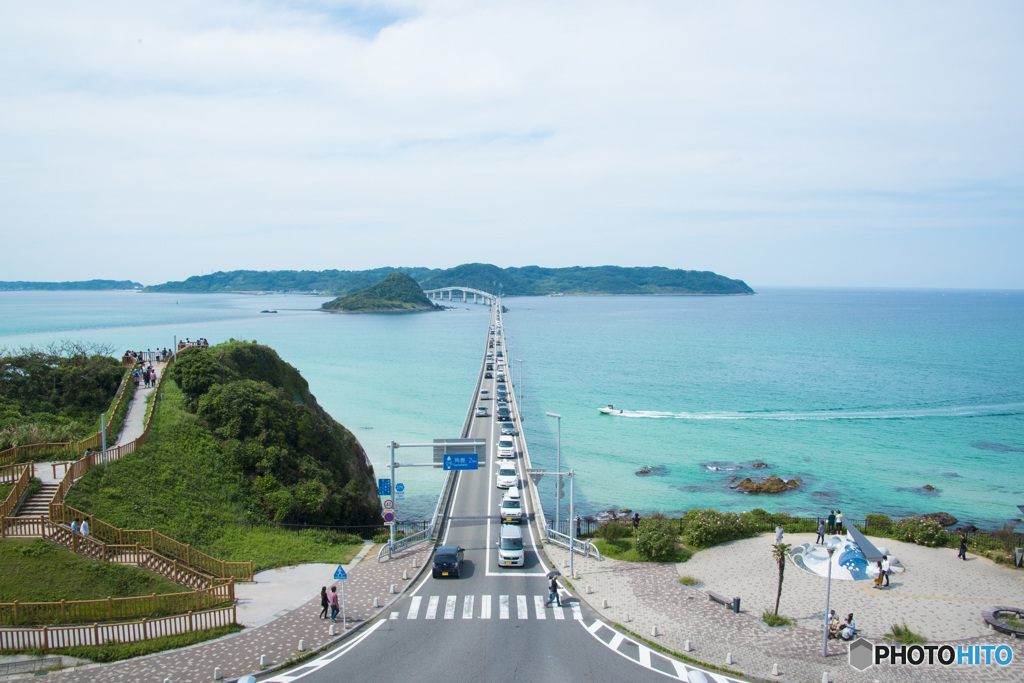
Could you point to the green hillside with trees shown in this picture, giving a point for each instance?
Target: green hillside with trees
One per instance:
(397, 293)
(525, 281)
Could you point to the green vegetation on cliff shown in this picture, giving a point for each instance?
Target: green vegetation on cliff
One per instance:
(237, 437)
(18, 286)
(526, 281)
(395, 293)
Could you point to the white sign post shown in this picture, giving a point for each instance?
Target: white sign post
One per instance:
(340, 575)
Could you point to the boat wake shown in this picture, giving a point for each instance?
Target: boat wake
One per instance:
(882, 414)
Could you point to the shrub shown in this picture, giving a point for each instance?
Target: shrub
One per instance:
(656, 538)
(919, 530)
(688, 581)
(710, 527)
(613, 531)
(773, 619)
(903, 634)
(878, 524)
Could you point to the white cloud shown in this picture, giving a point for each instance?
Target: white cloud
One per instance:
(753, 139)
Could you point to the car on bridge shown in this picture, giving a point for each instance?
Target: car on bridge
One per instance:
(481, 411)
(508, 428)
(488, 375)
(512, 507)
(507, 477)
(448, 561)
(485, 395)
(503, 412)
(506, 447)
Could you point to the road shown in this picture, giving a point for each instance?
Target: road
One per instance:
(491, 622)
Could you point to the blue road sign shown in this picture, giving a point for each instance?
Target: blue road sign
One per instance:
(339, 573)
(399, 487)
(383, 487)
(461, 461)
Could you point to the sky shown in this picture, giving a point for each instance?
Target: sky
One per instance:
(868, 144)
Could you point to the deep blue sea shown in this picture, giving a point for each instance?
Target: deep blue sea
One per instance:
(867, 396)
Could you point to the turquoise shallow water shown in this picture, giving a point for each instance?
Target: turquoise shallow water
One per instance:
(866, 395)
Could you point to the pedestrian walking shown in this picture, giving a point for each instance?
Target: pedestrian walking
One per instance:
(74, 526)
(821, 534)
(831, 521)
(553, 593)
(886, 567)
(963, 547)
(85, 527)
(333, 602)
(324, 603)
(778, 534)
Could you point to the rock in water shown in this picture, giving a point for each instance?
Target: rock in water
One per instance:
(943, 518)
(772, 484)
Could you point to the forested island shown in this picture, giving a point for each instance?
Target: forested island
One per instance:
(524, 281)
(20, 286)
(397, 293)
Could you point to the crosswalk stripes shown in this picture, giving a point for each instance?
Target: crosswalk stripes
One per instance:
(507, 604)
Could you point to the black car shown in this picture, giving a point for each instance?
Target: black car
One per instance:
(448, 561)
(488, 375)
(490, 366)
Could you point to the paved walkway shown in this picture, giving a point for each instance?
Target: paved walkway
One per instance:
(939, 596)
(135, 420)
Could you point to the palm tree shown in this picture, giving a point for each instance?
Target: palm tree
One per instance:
(779, 552)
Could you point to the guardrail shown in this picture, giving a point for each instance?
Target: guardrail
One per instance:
(21, 481)
(578, 544)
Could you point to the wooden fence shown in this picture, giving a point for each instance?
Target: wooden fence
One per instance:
(68, 448)
(21, 480)
(57, 637)
(109, 609)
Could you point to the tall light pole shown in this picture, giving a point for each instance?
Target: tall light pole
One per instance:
(828, 594)
(520, 361)
(558, 468)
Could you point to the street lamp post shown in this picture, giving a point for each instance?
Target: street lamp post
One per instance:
(572, 526)
(558, 468)
(520, 361)
(828, 595)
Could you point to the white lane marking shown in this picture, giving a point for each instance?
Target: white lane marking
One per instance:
(559, 613)
(321, 662)
(449, 607)
(485, 606)
(577, 614)
(595, 627)
(503, 607)
(432, 607)
(414, 607)
(645, 658)
(521, 607)
(616, 641)
(394, 615)
(538, 606)
(467, 607)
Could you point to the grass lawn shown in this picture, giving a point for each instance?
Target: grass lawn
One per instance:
(180, 484)
(622, 549)
(40, 571)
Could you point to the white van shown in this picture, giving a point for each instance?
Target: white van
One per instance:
(510, 547)
(506, 447)
(512, 506)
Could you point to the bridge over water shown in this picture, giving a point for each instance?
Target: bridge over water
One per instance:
(479, 296)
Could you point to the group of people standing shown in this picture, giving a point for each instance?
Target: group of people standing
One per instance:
(329, 601)
(884, 569)
(834, 522)
(147, 374)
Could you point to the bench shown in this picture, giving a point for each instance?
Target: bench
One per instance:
(733, 603)
(992, 619)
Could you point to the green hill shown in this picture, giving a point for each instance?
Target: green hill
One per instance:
(18, 286)
(525, 281)
(395, 293)
(237, 438)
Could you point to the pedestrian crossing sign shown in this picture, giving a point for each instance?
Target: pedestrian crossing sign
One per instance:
(339, 573)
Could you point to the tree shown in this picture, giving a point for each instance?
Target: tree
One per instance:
(779, 552)
(656, 538)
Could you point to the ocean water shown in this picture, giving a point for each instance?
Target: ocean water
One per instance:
(865, 395)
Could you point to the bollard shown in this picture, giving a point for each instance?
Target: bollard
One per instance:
(376, 602)
(604, 603)
(263, 661)
(216, 674)
(356, 616)
(775, 669)
(416, 563)
(687, 647)
(333, 632)
(824, 677)
(728, 658)
(654, 631)
(302, 645)
(405, 575)
(590, 589)
(394, 589)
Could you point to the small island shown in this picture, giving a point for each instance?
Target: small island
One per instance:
(397, 293)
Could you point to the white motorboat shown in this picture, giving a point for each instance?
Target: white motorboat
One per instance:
(610, 410)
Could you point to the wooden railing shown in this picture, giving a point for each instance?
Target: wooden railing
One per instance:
(57, 637)
(69, 448)
(21, 480)
(109, 609)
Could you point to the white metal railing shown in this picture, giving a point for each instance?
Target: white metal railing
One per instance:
(579, 545)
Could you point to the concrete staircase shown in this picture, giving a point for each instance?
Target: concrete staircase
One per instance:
(38, 505)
